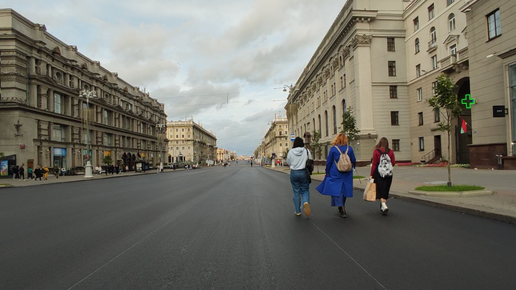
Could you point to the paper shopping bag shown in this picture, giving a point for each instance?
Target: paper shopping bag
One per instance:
(370, 191)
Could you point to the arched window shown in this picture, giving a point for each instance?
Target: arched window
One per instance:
(334, 120)
(433, 35)
(327, 131)
(416, 45)
(451, 22)
(320, 132)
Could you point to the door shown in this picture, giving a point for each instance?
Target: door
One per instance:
(437, 146)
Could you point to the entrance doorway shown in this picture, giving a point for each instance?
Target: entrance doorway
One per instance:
(463, 139)
(437, 147)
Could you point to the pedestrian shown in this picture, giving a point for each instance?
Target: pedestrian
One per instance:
(45, 172)
(383, 184)
(339, 185)
(29, 173)
(296, 158)
(21, 173)
(15, 171)
(38, 172)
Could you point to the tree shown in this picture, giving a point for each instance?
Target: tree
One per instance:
(316, 146)
(349, 125)
(107, 160)
(445, 100)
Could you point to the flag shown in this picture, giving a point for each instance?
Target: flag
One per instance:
(464, 127)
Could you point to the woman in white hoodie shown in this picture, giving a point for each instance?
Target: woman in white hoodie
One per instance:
(296, 158)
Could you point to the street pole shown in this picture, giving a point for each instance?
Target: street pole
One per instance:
(161, 141)
(91, 94)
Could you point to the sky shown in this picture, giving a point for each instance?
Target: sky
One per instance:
(223, 63)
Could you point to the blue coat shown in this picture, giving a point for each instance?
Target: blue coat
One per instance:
(337, 183)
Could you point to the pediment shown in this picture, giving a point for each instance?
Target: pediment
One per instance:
(450, 39)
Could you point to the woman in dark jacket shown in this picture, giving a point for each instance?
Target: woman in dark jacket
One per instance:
(383, 184)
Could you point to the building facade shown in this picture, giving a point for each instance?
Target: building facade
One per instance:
(382, 58)
(45, 119)
(491, 33)
(190, 142)
(276, 142)
(359, 64)
(436, 44)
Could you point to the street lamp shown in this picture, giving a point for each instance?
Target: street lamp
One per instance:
(161, 140)
(88, 95)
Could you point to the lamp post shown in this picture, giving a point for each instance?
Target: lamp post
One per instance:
(88, 95)
(161, 139)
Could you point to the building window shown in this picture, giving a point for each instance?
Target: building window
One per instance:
(416, 45)
(434, 62)
(453, 50)
(450, 2)
(419, 94)
(326, 122)
(395, 144)
(420, 118)
(421, 144)
(392, 68)
(334, 109)
(434, 88)
(57, 103)
(58, 133)
(416, 23)
(395, 118)
(390, 44)
(451, 22)
(431, 12)
(418, 70)
(393, 92)
(494, 24)
(433, 35)
(437, 115)
(106, 120)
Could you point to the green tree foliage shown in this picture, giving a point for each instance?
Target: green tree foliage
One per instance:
(349, 125)
(107, 160)
(316, 146)
(446, 102)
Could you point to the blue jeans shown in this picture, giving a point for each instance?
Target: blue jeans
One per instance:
(301, 188)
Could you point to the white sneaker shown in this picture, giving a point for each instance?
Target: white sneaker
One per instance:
(384, 208)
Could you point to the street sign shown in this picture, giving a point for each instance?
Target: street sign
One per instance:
(292, 137)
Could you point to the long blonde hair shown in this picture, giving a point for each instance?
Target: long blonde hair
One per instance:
(340, 140)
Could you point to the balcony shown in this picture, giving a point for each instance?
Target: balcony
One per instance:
(432, 45)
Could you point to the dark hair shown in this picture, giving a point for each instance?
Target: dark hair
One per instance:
(298, 142)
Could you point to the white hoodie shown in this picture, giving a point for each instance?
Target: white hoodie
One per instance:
(297, 157)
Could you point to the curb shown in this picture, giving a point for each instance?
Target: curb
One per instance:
(471, 193)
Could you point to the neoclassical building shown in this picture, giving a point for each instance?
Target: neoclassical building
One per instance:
(360, 63)
(276, 138)
(491, 33)
(382, 58)
(45, 119)
(190, 142)
(436, 42)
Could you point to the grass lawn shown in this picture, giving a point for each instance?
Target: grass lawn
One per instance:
(444, 187)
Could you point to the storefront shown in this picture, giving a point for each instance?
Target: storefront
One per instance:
(59, 158)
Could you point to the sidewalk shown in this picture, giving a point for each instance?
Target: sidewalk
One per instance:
(497, 202)
(9, 182)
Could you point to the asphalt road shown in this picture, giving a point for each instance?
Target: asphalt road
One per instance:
(235, 228)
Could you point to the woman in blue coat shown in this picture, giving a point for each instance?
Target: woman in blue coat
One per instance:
(339, 185)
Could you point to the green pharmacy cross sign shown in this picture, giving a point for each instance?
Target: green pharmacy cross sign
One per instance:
(467, 101)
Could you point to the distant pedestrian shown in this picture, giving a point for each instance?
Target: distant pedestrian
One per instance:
(15, 171)
(338, 184)
(29, 173)
(21, 173)
(383, 184)
(296, 158)
(45, 172)
(38, 172)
